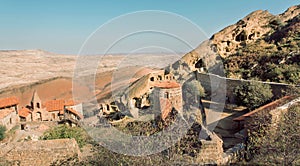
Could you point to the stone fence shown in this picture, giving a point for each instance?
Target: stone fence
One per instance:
(42, 152)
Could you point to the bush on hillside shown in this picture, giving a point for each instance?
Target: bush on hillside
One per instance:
(64, 131)
(253, 94)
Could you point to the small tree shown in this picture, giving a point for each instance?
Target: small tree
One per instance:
(253, 94)
(2, 132)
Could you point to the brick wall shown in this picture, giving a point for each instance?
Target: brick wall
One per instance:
(43, 152)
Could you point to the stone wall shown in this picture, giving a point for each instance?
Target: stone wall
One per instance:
(174, 95)
(211, 150)
(270, 115)
(42, 152)
(164, 100)
(215, 86)
(10, 120)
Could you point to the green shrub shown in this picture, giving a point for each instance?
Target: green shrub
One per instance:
(2, 132)
(253, 94)
(64, 131)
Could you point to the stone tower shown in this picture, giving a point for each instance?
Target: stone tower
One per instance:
(36, 102)
(38, 113)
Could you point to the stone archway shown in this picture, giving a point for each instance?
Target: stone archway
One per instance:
(38, 116)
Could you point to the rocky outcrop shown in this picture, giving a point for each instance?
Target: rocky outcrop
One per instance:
(202, 58)
(290, 13)
(245, 31)
(207, 57)
(254, 26)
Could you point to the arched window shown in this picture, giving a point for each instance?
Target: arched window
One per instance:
(38, 105)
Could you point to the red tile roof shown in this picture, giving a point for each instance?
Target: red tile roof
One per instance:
(166, 84)
(69, 102)
(9, 101)
(55, 105)
(75, 112)
(24, 112)
(4, 113)
(58, 105)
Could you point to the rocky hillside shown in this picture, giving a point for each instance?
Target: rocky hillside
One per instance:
(257, 25)
(260, 45)
(270, 52)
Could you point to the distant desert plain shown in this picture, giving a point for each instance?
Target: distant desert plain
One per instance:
(23, 71)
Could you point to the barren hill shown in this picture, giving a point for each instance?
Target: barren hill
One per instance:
(23, 71)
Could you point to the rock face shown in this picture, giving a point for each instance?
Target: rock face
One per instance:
(249, 29)
(255, 45)
(202, 58)
(243, 32)
(290, 13)
(255, 26)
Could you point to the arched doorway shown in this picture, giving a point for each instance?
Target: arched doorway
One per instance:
(39, 116)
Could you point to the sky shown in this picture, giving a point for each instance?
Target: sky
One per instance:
(62, 26)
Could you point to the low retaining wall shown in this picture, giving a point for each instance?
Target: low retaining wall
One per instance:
(43, 152)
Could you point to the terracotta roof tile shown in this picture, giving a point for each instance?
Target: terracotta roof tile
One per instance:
(75, 112)
(55, 105)
(24, 112)
(5, 112)
(69, 102)
(9, 101)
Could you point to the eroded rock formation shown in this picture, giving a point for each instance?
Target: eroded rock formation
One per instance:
(249, 29)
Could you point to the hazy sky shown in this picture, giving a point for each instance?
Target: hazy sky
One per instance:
(63, 26)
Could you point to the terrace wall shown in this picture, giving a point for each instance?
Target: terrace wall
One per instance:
(43, 152)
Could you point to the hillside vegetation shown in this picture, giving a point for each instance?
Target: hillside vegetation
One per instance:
(275, 57)
(268, 51)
